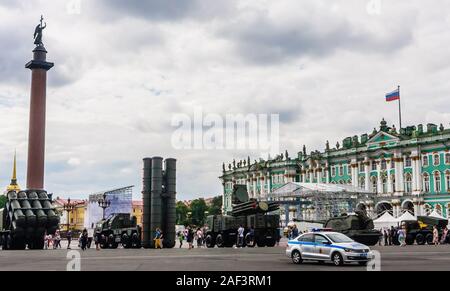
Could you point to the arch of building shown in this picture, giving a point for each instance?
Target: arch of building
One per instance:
(409, 206)
(383, 206)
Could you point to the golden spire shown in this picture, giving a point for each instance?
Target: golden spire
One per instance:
(14, 186)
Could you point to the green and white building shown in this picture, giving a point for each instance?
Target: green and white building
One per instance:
(408, 170)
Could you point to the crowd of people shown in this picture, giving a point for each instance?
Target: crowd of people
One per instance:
(398, 236)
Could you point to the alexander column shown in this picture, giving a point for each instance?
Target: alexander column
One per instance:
(36, 136)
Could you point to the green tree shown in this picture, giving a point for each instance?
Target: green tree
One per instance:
(182, 211)
(2, 201)
(198, 208)
(216, 206)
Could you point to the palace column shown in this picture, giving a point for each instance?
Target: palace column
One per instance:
(367, 174)
(311, 176)
(389, 177)
(319, 175)
(248, 186)
(379, 178)
(303, 176)
(268, 183)
(327, 173)
(255, 192)
(399, 184)
(354, 165)
(36, 135)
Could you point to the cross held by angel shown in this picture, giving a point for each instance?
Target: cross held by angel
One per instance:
(38, 32)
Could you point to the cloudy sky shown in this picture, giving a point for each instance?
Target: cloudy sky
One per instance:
(124, 68)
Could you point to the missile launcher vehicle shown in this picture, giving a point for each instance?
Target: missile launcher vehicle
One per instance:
(27, 217)
(119, 229)
(248, 213)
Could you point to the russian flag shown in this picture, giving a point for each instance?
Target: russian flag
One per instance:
(395, 95)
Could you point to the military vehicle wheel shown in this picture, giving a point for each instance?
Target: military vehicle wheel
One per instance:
(249, 241)
(209, 241)
(296, 257)
(420, 239)
(136, 241)
(260, 243)
(409, 240)
(337, 259)
(220, 241)
(126, 241)
(271, 242)
(429, 238)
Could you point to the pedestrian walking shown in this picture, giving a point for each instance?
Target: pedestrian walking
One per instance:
(199, 236)
(402, 236)
(57, 240)
(69, 238)
(84, 239)
(391, 235)
(180, 238)
(386, 237)
(435, 235)
(97, 238)
(189, 237)
(157, 239)
(240, 237)
(444, 235)
(294, 232)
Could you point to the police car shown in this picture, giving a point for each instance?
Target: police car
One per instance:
(323, 245)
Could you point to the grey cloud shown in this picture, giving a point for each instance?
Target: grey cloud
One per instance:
(264, 41)
(162, 10)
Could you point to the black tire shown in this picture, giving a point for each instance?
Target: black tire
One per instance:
(271, 242)
(136, 241)
(261, 243)
(209, 241)
(420, 239)
(296, 257)
(126, 241)
(220, 242)
(429, 238)
(409, 240)
(249, 242)
(337, 259)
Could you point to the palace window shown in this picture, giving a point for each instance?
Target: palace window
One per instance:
(361, 167)
(437, 182)
(447, 180)
(374, 166)
(438, 208)
(374, 185)
(333, 171)
(447, 158)
(393, 183)
(426, 183)
(425, 161)
(349, 169)
(408, 162)
(362, 182)
(384, 185)
(383, 165)
(341, 170)
(436, 160)
(408, 183)
(427, 209)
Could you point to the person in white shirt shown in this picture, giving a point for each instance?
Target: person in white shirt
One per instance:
(240, 241)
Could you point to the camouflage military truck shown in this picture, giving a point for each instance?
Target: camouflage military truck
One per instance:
(251, 214)
(119, 229)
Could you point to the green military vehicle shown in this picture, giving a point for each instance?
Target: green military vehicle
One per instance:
(251, 214)
(119, 229)
(421, 230)
(27, 217)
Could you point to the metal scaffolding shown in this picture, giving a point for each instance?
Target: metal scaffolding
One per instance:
(314, 201)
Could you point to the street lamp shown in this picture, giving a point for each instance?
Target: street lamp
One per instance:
(103, 203)
(69, 207)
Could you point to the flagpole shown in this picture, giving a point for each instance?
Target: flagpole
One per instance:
(399, 109)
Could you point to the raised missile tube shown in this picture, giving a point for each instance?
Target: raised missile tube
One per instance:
(169, 203)
(156, 198)
(146, 198)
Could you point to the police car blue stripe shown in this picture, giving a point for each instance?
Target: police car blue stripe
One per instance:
(315, 244)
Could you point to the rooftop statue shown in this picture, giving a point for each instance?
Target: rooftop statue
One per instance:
(38, 33)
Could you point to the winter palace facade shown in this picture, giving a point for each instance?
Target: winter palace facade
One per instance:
(408, 170)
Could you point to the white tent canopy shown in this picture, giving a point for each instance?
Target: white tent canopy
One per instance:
(435, 214)
(385, 220)
(407, 216)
